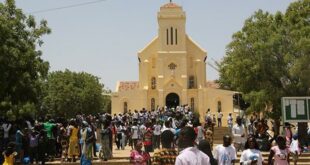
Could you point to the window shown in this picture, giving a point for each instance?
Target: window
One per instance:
(153, 83)
(125, 107)
(192, 104)
(219, 106)
(153, 63)
(171, 35)
(176, 36)
(191, 82)
(152, 104)
(167, 33)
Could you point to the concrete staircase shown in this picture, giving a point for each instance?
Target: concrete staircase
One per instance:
(122, 157)
(218, 134)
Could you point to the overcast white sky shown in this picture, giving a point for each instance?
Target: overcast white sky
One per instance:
(103, 38)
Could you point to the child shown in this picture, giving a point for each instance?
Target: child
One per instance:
(295, 149)
(9, 154)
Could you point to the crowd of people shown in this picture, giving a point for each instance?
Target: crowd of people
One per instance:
(175, 135)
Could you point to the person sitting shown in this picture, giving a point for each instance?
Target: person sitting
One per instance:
(190, 153)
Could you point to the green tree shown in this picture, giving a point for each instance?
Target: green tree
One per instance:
(21, 67)
(269, 59)
(68, 93)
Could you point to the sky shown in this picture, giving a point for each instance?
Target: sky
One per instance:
(104, 38)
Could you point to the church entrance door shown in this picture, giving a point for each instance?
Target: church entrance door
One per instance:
(172, 100)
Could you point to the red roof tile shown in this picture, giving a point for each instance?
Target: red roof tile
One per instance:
(213, 84)
(128, 85)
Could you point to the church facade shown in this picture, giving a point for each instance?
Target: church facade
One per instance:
(172, 72)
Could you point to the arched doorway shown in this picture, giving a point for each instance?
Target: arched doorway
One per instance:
(172, 100)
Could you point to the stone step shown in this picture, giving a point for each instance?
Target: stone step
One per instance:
(126, 162)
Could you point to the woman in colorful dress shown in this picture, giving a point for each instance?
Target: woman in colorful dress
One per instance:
(147, 138)
(73, 131)
(139, 157)
(87, 138)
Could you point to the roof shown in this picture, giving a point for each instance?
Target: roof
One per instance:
(170, 5)
(213, 84)
(128, 85)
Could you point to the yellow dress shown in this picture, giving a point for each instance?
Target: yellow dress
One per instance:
(73, 142)
(9, 160)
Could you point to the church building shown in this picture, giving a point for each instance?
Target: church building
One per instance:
(172, 72)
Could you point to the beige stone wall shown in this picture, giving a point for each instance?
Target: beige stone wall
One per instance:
(212, 97)
(136, 99)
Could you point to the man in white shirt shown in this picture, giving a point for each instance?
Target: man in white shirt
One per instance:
(225, 154)
(156, 133)
(190, 154)
(238, 132)
(219, 119)
(134, 134)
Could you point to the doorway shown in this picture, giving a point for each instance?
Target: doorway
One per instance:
(172, 100)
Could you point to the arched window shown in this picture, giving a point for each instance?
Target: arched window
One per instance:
(191, 82)
(219, 106)
(153, 83)
(171, 35)
(176, 36)
(192, 104)
(167, 31)
(125, 107)
(152, 104)
(153, 62)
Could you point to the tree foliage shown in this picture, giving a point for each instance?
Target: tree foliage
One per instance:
(269, 58)
(21, 67)
(68, 93)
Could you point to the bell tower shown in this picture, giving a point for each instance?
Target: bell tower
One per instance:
(171, 28)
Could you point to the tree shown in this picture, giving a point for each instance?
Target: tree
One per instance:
(69, 93)
(21, 67)
(269, 59)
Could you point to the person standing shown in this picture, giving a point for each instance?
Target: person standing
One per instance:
(138, 156)
(288, 133)
(134, 134)
(238, 132)
(225, 154)
(9, 155)
(156, 132)
(251, 154)
(206, 148)
(73, 131)
(166, 155)
(230, 122)
(190, 153)
(219, 119)
(6, 130)
(87, 137)
(279, 153)
(49, 126)
(147, 138)
(106, 134)
(295, 149)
